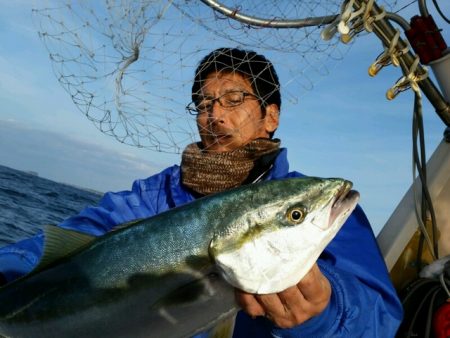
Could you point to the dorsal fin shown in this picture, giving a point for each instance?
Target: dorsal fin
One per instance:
(60, 243)
(126, 225)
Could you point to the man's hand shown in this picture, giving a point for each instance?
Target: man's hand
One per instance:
(292, 306)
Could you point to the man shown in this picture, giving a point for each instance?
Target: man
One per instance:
(236, 100)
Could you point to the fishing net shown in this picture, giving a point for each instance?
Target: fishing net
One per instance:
(129, 65)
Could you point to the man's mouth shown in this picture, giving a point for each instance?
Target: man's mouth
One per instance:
(220, 134)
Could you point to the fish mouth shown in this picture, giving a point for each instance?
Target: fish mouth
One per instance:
(344, 203)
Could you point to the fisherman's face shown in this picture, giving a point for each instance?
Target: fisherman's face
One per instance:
(228, 128)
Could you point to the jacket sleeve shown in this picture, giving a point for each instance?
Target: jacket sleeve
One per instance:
(143, 200)
(363, 301)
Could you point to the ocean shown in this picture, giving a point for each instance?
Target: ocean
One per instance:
(28, 202)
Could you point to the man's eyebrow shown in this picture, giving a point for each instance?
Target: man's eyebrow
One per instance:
(206, 96)
(226, 91)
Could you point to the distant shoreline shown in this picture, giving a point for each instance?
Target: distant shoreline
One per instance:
(31, 172)
(36, 174)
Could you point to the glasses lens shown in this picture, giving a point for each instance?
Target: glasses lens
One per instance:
(232, 99)
(227, 100)
(204, 105)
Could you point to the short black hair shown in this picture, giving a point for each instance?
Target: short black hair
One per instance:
(255, 67)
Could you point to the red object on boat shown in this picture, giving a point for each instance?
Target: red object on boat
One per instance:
(441, 321)
(426, 39)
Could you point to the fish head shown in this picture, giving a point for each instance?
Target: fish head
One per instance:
(282, 229)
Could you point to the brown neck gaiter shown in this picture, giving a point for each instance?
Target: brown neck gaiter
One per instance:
(208, 172)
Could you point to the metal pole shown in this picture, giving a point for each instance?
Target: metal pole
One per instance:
(267, 22)
(384, 30)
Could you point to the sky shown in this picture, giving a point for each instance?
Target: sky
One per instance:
(342, 127)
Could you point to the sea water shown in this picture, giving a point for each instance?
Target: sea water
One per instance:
(28, 202)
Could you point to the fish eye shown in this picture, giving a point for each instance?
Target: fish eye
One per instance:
(296, 215)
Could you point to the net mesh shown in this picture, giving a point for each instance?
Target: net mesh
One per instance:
(129, 65)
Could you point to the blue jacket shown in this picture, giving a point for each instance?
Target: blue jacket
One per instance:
(363, 302)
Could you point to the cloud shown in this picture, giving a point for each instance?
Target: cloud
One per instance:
(15, 79)
(65, 159)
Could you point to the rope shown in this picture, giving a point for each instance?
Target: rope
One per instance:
(419, 162)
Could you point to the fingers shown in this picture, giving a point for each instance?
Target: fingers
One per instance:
(292, 306)
(248, 303)
(272, 305)
(284, 309)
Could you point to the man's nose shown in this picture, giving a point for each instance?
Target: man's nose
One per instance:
(216, 111)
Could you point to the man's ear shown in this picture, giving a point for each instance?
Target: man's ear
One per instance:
(272, 118)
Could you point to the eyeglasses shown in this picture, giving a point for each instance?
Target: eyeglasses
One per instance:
(227, 100)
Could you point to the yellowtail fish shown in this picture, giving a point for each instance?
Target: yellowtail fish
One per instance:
(172, 275)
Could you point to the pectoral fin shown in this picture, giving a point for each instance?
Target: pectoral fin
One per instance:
(60, 243)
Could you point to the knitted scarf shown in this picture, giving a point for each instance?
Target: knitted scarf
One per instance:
(209, 172)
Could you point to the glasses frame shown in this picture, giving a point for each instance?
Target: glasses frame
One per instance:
(192, 107)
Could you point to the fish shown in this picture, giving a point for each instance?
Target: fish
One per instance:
(174, 274)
